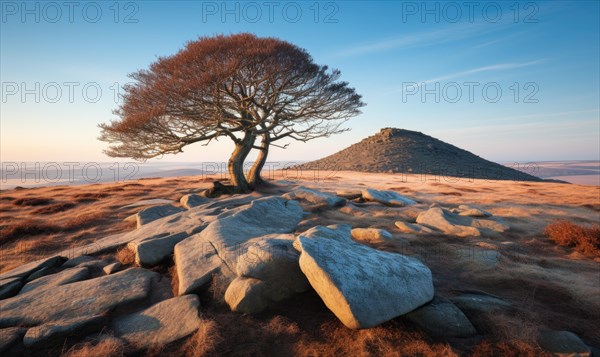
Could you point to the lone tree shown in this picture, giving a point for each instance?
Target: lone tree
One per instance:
(240, 86)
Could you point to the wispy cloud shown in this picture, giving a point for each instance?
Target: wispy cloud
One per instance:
(495, 67)
(416, 39)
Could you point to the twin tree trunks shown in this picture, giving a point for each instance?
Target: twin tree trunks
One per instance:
(238, 157)
(252, 90)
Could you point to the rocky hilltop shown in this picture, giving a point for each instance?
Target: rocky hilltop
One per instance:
(405, 151)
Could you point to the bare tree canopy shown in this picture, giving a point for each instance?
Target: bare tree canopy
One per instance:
(238, 86)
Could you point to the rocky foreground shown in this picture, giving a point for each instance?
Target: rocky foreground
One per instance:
(261, 249)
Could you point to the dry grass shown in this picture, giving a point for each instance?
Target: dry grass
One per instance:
(29, 227)
(125, 256)
(548, 288)
(106, 347)
(55, 208)
(390, 339)
(203, 342)
(585, 240)
(512, 348)
(36, 201)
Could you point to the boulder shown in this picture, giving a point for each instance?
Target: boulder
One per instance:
(217, 247)
(371, 235)
(441, 318)
(363, 287)
(55, 333)
(150, 252)
(247, 295)
(388, 198)
(268, 271)
(153, 213)
(10, 336)
(273, 259)
(192, 200)
(80, 299)
(412, 228)
(24, 271)
(315, 197)
(563, 343)
(160, 324)
(62, 278)
(461, 226)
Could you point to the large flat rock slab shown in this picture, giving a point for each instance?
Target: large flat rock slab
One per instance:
(160, 324)
(64, 277)
(55, 333)
(217, 247)
(24, 271)
(85, 298)
(363, 287)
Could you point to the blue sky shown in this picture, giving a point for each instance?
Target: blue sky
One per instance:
(544, 57)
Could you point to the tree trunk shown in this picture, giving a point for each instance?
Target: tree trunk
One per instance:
(236, 162)
(254, 177)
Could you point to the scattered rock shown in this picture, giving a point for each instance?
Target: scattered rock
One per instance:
(54, 333)
(10, 287)
(112, 268)
(24, 271)
(471, 211)
(482, 258)
(85, 298)
(198, 257)
(10, 336)
(64, 277)
(363, 287)
(153, 213)
(372, 235)
(192, 200)
(441, 318)
(479, 303)
(163, 323)
(150, 252)
(461, 226)
(349, 194)
(388, 198)
(564, 343)
(413, 228)
(315, 197)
